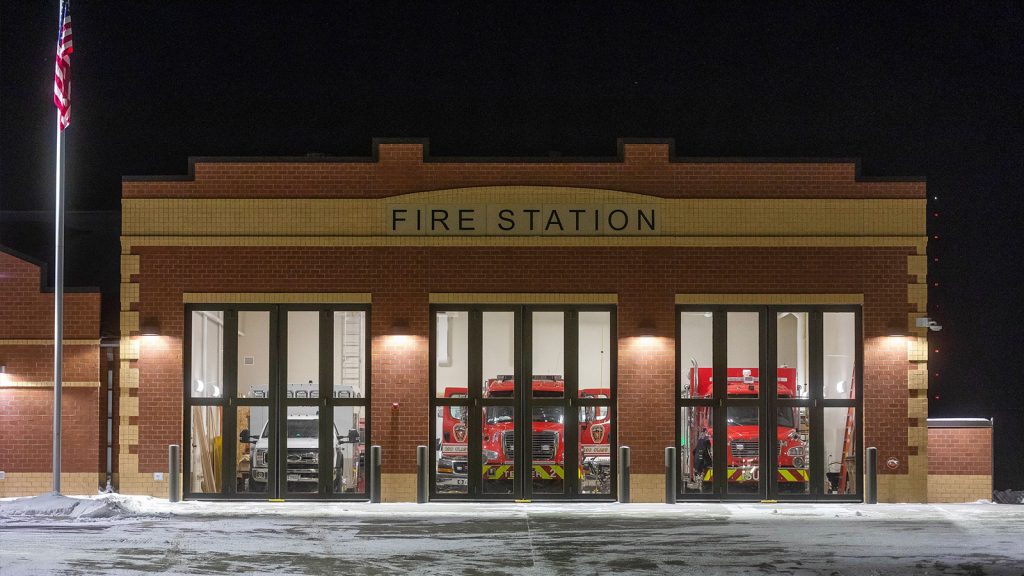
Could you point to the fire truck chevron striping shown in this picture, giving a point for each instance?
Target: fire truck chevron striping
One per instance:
(540, 471)
(737, 475)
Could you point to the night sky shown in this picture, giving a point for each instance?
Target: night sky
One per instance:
(916, 90)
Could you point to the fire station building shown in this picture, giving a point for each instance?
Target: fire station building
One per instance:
(523, 319)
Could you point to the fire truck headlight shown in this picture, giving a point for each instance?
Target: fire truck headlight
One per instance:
(797, 451)
(798, 462)
(489, 455)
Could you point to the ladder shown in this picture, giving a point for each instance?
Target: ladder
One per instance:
(851, 423)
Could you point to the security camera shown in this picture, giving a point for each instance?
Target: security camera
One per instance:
(928, 323)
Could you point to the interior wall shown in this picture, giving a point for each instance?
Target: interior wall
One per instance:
(549, 343)
(743, 340)
(455, 372)
(253, 344)
(594, 350)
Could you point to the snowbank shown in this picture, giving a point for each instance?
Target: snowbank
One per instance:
(57, 506)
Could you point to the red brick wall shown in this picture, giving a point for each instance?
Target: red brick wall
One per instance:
(960, 451)
(644, 169)
(26, 429)
(400, 279)
(26, 414)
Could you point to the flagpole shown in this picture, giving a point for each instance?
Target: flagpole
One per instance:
(58, 308)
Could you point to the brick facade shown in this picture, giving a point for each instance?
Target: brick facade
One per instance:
(185, 256)
(26, 390)
(959, 464)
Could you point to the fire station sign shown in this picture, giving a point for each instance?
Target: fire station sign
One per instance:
(523, 220)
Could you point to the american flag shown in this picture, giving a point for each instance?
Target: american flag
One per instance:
(62, 69)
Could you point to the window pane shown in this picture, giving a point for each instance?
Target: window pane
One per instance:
(303, 450)
(452, 465)
(253, 437)
(793, 475)
(840, 439)
(303, 354)
(840, 351)
(498, 349)
(207, 354)
(451, 354)
(595, 354)
(254, 354)
(349, 354)
(548, 449)
(595, 450)
(349, 470)
(548, 357)
(695, 345)
(206, 443)
(791, 345)
(744, 354)
(499, 448)
(743, 444)
(695, 449)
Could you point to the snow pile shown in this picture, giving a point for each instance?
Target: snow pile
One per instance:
(1008, 496)
(56, 506)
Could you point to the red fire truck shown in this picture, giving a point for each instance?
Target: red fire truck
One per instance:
(548, 438)
(743, 433)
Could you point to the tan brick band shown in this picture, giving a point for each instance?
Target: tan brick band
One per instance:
(676, 217)
(276, 298)
(521, 298)
(767, 299)
(397, 487)
(35, 483)
(646, 488)
(917, 242)
(959, 488)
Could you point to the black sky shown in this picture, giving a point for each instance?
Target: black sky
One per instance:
(914, 89)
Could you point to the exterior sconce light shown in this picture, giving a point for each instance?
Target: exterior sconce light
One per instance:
(400, 328)
(896, 328)
(150, 327)
(646, 328)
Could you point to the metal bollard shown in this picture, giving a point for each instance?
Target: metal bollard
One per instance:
(670, 475)
(421, 474)
(173, 490)
(624, 474)
(871, 476)
(375, 474)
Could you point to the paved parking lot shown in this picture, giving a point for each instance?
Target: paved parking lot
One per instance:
(235, 538)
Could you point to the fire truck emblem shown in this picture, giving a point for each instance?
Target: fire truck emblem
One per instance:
(460, 432)
(597, 434)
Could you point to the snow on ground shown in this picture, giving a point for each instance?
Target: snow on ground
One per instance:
(115, 534)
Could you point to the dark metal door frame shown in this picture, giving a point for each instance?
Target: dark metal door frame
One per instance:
(276, 402)
(768, 402)
(523, 401)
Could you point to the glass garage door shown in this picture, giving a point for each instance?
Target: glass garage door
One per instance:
(522, 402)
(769, 402)
(276, 402)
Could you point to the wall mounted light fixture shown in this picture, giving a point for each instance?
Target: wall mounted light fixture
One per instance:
(646, 327)
(400, 327)
(149, 327)
(896, 328)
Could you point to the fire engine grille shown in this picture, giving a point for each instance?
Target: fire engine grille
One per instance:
(744, 448)
(545, 444)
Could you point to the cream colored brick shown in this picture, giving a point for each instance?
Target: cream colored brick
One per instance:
(398, 487)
